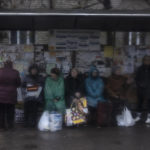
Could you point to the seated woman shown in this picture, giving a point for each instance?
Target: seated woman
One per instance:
(115, 88)
(74, 82)
(116, 85)
(54, 92)
(94, 87)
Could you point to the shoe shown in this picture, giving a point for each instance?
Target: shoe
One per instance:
(137, 119)
(148, 119)
(139, 114)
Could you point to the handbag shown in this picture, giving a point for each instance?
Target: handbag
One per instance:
(77, 113)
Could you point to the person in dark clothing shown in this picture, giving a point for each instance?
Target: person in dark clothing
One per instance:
(74, 83)
(143, 84)
(33, 91)
(9, 82)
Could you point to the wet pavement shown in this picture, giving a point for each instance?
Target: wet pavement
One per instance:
(82, 138)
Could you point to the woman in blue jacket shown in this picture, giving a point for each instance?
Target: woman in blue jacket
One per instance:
(94, 87)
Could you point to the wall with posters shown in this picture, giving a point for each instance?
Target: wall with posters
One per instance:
(55, 48)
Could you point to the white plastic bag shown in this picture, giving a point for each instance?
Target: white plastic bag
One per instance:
(19, 115)
(55, 121)
(125, 119)
(44, 123)
(68, 118)
(148, 119)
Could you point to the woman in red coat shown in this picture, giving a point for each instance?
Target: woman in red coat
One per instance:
(9, 82)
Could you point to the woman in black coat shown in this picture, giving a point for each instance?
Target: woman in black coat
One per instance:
(33, 91)
(74, 83)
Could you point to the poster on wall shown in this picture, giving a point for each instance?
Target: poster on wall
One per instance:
(74, 40)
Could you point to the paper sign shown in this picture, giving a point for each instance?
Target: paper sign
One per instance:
(28, 48)
(108, 51)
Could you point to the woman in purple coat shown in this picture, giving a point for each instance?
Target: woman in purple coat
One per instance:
(9, 82)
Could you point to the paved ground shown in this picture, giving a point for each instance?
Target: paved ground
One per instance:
(83, 138)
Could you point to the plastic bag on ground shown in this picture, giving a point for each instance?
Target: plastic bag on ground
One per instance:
(148, 119)
(19, 115)
(68, 118)
(56, 121)
(125, 119)
(44, 123)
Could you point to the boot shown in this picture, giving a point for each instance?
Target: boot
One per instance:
(138, 118)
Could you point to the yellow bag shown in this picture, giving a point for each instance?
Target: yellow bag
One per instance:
(79, 112)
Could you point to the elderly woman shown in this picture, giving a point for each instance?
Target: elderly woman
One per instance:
(116, 85)
(116, 92)
(74, 83)
(33, 87)
(54, 92)
(94, 87)
(9, 82)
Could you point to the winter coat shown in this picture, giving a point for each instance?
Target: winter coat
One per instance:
(9, 82)
(73, 85)
(94, 89)
(37, 80)
(143, 80)
(54, 89)
(116, 86)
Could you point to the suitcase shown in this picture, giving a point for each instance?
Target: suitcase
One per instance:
(104, 111)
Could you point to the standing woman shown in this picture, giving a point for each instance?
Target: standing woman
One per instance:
(33, 86)
(9, 82)
(54, 92)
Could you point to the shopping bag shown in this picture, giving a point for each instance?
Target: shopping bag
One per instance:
(77, 113)
(55, 121)
(68, 118)
(125, 119)
(19, 116)
(33, 91)
(44, 122)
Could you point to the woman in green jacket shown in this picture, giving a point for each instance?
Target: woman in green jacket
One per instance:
(54, 92)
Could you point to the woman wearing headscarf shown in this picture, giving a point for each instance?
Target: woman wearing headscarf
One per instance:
(54, 92)
(74, 83)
